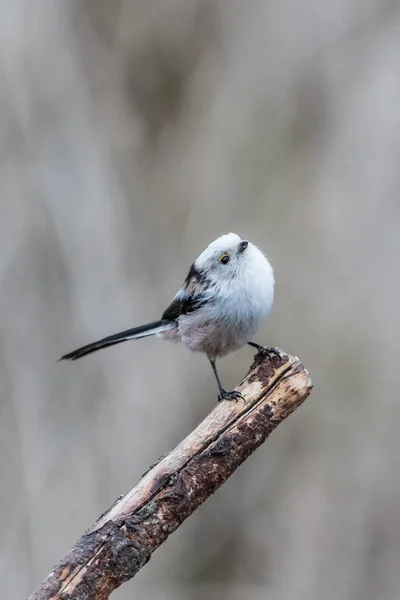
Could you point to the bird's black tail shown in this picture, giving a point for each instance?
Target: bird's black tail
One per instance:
(130, 334)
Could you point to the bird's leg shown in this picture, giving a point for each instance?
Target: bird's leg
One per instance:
(264, 350)
(223, 394)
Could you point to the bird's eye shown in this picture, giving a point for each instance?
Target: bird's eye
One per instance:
(224, 259)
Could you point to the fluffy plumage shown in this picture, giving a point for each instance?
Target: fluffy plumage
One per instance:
(227, 293)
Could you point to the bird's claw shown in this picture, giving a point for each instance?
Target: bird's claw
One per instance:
(233, 395)
(263, 351)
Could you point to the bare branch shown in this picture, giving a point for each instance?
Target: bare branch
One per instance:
(124, 537)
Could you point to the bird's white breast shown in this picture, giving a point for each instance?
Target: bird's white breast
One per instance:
(233, 317)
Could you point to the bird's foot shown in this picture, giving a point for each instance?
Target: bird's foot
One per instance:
(233, 395)
(263, 351)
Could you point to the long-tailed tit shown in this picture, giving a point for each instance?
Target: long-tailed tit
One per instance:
(227, 293)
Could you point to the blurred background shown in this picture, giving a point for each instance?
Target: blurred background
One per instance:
(131, 135)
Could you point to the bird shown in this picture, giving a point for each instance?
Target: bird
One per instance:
(228, 292)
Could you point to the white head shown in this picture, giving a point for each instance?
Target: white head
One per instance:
(228, 256)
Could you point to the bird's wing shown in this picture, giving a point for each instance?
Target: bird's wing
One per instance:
(173, 310)
(183, 304)
(194, 293)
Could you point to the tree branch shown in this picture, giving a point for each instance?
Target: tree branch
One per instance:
(124, 537)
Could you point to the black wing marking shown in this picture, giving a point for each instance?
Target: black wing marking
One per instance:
(183, 306)
(195, 275)
(173, 311)
(196, 281)
(191, 303)
(191, 297)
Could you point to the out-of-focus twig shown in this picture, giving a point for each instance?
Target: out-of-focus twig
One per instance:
(124, 537)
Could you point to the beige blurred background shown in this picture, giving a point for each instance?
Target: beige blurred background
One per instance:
(131, 134)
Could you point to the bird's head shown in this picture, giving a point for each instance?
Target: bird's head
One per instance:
(225, 257)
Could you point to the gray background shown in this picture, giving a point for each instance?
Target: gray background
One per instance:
(131, 134)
